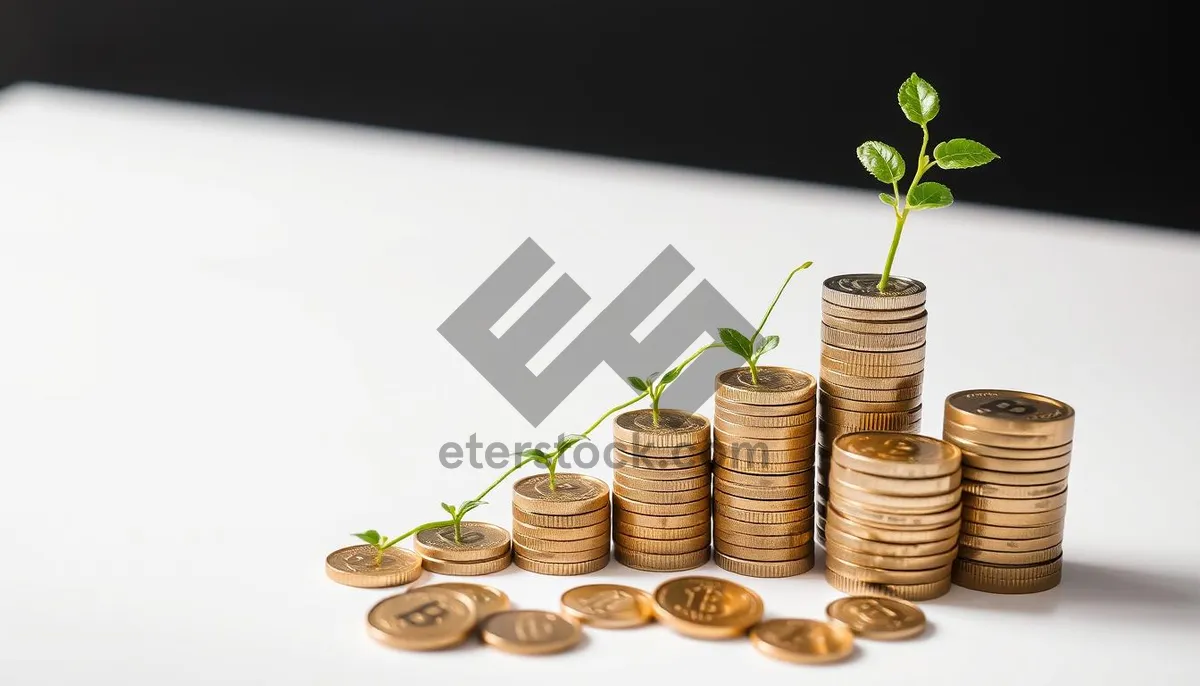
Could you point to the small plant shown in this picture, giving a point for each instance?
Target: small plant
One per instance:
(749, 348)
(380, 543)
(920, 104)
(654, 390)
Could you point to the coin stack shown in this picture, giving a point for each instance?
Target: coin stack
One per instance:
(561, 529)
(475, 548)
(872, 360)
(892, 520)
(662, 477)
(764, 429)
(1016, 453)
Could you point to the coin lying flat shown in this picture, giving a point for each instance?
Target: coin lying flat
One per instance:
(1012, 412)
(763, 570)
(707, 607)
(422, 619)
(609, 606)
(879, 618)
(531, 632)
(861, 292)
(674, 428)
(804, 641)
(356, 566)
(476, 541)
(488, 601)
(561, 568)
(479, 568)
(776, 386)
(572, 494)
(905, 456)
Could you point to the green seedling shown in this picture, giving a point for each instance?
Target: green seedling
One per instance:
(751, 349)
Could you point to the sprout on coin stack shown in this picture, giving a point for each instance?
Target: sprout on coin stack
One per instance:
(478, 548)
(893, 514)
(1016, 451)
(561, 530)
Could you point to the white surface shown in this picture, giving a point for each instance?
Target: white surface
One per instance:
(218, 352)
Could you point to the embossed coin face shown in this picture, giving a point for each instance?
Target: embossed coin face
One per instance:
(477, 541)
(1011, 412)
(356, 566)
(898, 455)
(488, 601)
(861, 291)
(422, 619)
(707, 607)
(531, 632)
(770, 380)
(572, 494)
(885, 619)
(608, 606)
(669, 421)
(806, 641)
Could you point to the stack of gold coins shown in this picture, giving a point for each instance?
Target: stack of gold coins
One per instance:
(893, 513)
(661, 486)
(561, 527)
(473, 548)
(1016, 453)
(872, 360)
(764, 430)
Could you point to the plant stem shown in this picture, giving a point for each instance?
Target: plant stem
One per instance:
(887, 266)
(415, 530)
(766, 316)
(753, 372)
(902, 214)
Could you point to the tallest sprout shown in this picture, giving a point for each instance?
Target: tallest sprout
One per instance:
(920, 104)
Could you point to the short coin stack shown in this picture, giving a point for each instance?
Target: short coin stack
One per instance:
(562, 530)
(872, 359)
(764, 431)
(892, 521)
(1016, 453)
(662, 478)
(475, 548)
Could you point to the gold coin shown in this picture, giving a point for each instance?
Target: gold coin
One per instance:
(608, 606)
(468, 568)
(760, 459)
(1000, 464)
(890, 562)
(761, 517)
(573, 494)
(890, 358)
(902, 456)
(833, 534)
(801, 409)
(651, 562)
(355, 566)
(999, 440)
(1011, 557)
(477, 541)
(1037, 585)
(658, 474)
(899, 487)
(990, 490)
(660, 546)
(872, 342)
(971, 514)
(561, 557)
(985, 476)
(707, 607)
(674, 429)
(1012, 412)
(658, 509)
(878, 618)
(905, 314)
(531, 632)
(755, 433)
(658, 534)
(752, 554)
(916, 504)
(763, 492)
(834, 403)
(880, 328)
(675, 522)
(861, 292)
(633, 483)
(984, 450)
(762, 541)
(763, 570)
(661, 497)
(1014, 533)
(803, 641)
(776, 386)
(575, 521)
(856, 369)
(422, 619)
(885, 576)
(912, 592)
(552, 546)
(830, 389)
(796, 480)
(874, 532)
(751, 421)
(833, 419)
(660, 458)
(488, 601)
(730, 527)
(546, 533)
(785, 505)
(561, 568)
(896, 520)
(735, 445)
(833, 377)
(1019, 505)
(763, 468)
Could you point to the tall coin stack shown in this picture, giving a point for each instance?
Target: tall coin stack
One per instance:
(662, 478)
(1016, 452)
(872, 361)
(764, 431)
(892, 520)
(562, 530)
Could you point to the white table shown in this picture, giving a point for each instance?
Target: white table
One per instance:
(219, 352)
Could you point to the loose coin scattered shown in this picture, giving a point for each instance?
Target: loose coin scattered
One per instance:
(531, 632)
(804, 641)
(488, 601)
(879, 618)
(422, 619)
(707, 607)
(608, 606)
(361, 566)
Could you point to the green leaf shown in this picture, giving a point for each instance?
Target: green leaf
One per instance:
(670, 376)
(650, 379)
(370, 536)
(567, 442)
(919, 100)
(536, 454)
(768, 344)
(638, 384)
(887, 199)
(962, 153)
(469, 505)
(736, 342)
(448, 508)
(882, 161)
(929, 195)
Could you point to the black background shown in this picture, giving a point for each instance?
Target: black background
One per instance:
(1086, 104)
